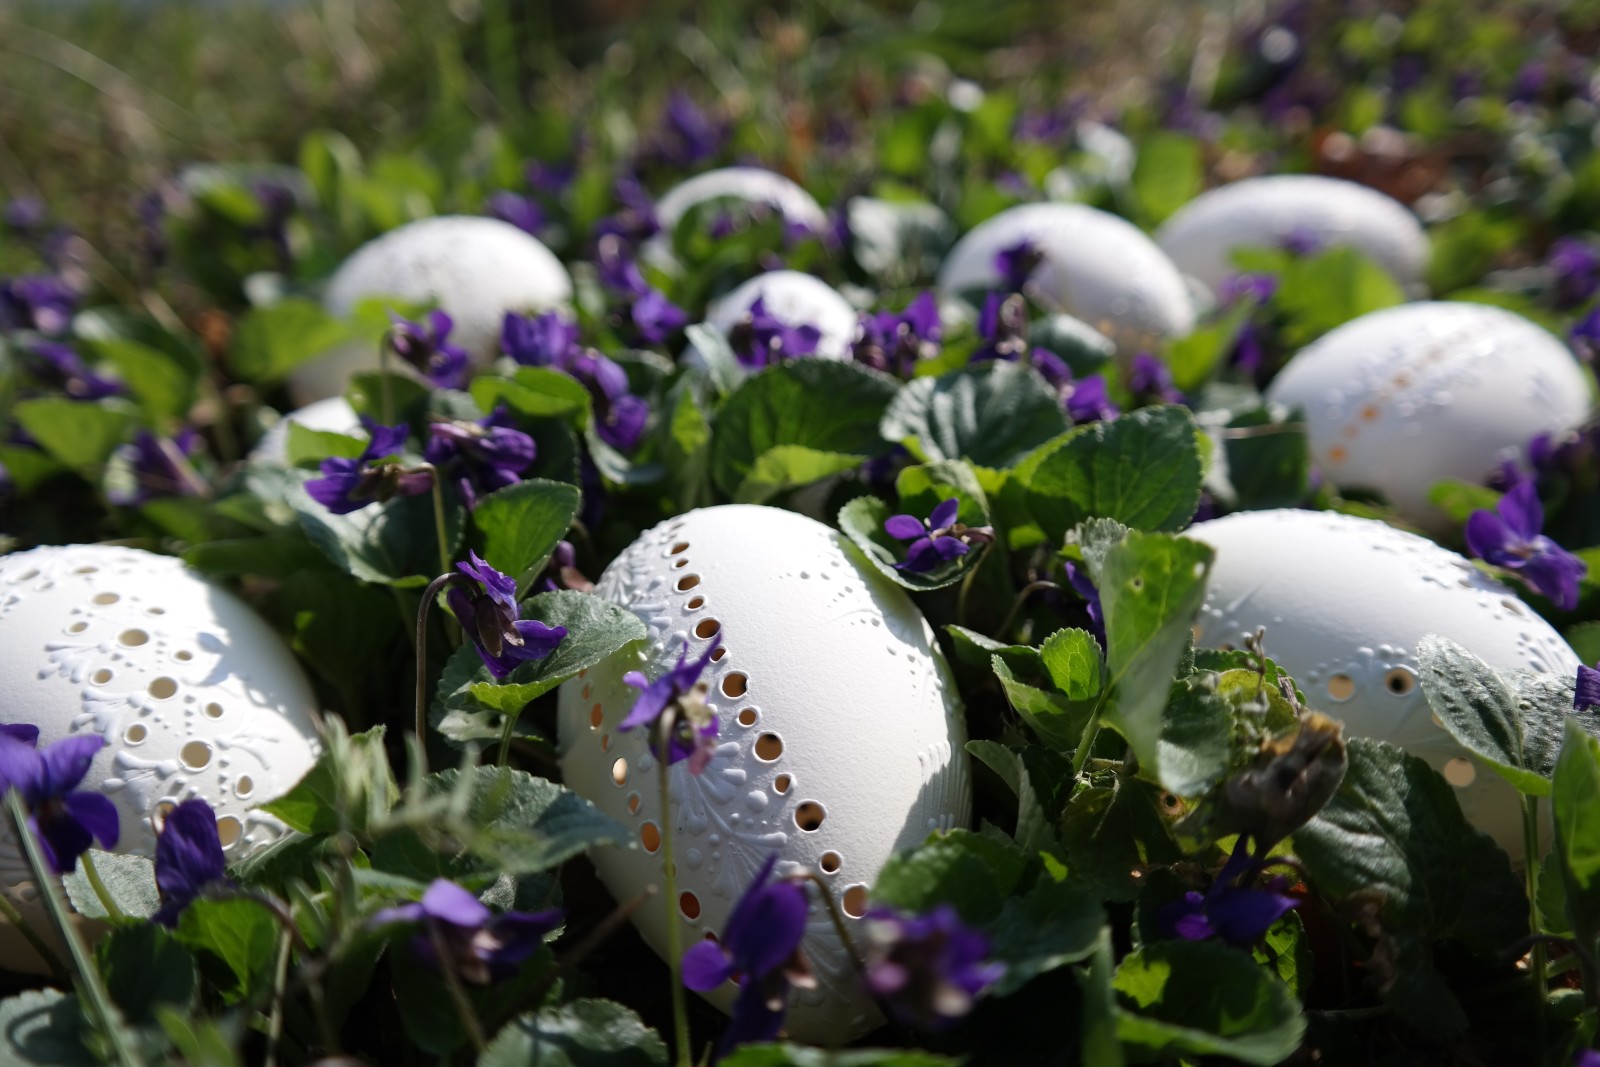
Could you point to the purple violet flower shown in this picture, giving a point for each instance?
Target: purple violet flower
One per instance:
(1152, 379)
(1078, 578)
(760, 946)
(160, 468)
(895, 342)
(1089, 400)
(485, 455)
(1510, 537)
(562, 572)
(635, 220)
(64, 819)
(428, 349)
(687, 135)
(937, 540)
(24, 215)
(1016, 264)
(1575, 269)
(522, 212)
(39, 302)
(1230, 909)
(478, 945)
(489, 617)
(929, 968)
(61, 368)
(189, 858)
(543, 340)
(548, 341)
(655, 317)
(761, 339)
(25, 732)
(674, 705)
(1585, 335)
(1587, 693)
(277, 203)
(349, 485)
(1301, 241)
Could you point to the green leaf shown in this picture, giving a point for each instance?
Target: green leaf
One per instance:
(1040, 779)
(1478, 708)
(538, 392)
(340, 626)
(722, 365)
(269, 342)
(80, 435)
(806, 1056)
(1286, 951)
(922, 488)
(1098, 1044)
(1111, 831)
(1169, 172)
(788, 467)
(130, 881)
(44, 1028)
(1194, 358)
(349, 788)
(862, 519)
(686, 451)
(202, 1042)
(1575, 797)
(1268, 468)
(581, 1033)
(992, 415)
(596, 628)
(821, 405)
(898, 241)
(1073, 659)
(1316, 294)
(241, 933)
(1197, 728)
(522, 524)
(144, 966)
(1056, 923)
(1201, 998)
(386, 544)
(1151, 589)
(365, 394)
(1458, 499)
(1394, 834)
(1058, 720)
(971, 872)
(163, 383)
(304, 447)
(1143, 470)
(1551, 895)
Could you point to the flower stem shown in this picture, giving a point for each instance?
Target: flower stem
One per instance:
(438, 520)
(386, 391)
(452, 981)
(838, 922)
(91, 872)
(1530, 864)
(280, 979)
(966, 589)
(1016, 604)
(98, 1002)
(46, 953)
(429, 595)
(669, 881)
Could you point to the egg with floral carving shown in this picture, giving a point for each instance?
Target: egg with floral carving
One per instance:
(1400, 399)
(839, 733)
(796, 300)
(1345, 602)
(194, 694)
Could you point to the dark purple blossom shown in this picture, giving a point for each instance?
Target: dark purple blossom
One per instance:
(1151, 379)
(655, 318)
(1510, 536)
(543, 340)
(522, 212)
(1587, 693)
(1016, 264)
(1585, 335)
(61, 368)
(485, 455)
(896, 341)
(619, 416)
(25, 732)
(489, 616)
(551, 179)
(1089, 400)
(1574, 267)
(937, 540)
(687, 135)
(930, 969)
(24, 215)
(40, 302)
(1586, 1057)
(349, 485)
(277, 204)
(674, 707)
(635, 220)
(64, 819)
(761, 339)
(561, 572)
(1529, 83)
(1079, 579)
(759, 948)
(189, 858)
(1301, 241)
(159, 467)
(427, 347)
(460, 933)
(1231, 909)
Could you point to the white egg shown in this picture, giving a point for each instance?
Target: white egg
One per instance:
(839, 727)
(1345, 602)
(194, 694)
(1203, 234)
(333, 415)
(794, 299)
(1096, 267)
(753, 184)
(475, 269)
(1404, 397)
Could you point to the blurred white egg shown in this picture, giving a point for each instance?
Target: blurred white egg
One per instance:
(753, 184)
(194, 694)
(333, 415)
(839, 727)
(1345, 602)
(1404, 397)
(475, 269)
(1096, 267)
(794, 299)
(1267, 211)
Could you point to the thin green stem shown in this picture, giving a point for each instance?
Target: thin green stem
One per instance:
(1016, 604)
(669, 881)
(280, 979)
(838, 922)
(385, 390)
(438, 521)
(98, 1002)
(503, 756)
(966, 589)
(91, 872)
(458, 994)
(1086, 742)
(1540, 961)
(46, 953)
(429, 595)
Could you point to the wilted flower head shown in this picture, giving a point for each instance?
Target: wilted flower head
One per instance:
(1510, 536)
(348, 485)
(460, 933)
(489, 616)
(485, 455)
(427, 347)
(159, 467)
(64, 819)
(189, 858)
(674, 707)
(936, 540)
(929, 968)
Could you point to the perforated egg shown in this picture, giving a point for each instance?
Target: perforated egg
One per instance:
(794, 299)
(1345, 603)
(194, 693)
(1402, 398)
(1095, 266)
(839, 732)
(1270, 210)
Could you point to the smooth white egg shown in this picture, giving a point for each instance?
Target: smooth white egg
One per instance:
(1202, 236)
(1345, 602)
(1096, 267)
(754, 184)
(839, 727)
(333, 415)
(475, 269)
(794, 299)
(1402, 398)
(194, 694)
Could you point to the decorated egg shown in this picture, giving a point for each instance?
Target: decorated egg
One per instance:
(794, 299)
(1271, 211)
(194, 694)
(1345, 603)
(474, 269)
(840, 737)
(753, 184)
(333, 415)
(1094, 266)
(1401, 398)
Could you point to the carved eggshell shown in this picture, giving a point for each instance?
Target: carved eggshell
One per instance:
(794, 299)
(475, 269)
(1345, 602)
(1096, 267)
(333, 415)
(1264, 212)
(839, 727)
(1399, 399)
(195, 695)
(756, 185)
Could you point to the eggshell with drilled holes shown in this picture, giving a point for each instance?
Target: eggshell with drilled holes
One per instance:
(194, 693)
(333, 415)
(1095, 266)
(475, 269)
(1265, 212)
(1345, 602)
(1401, 398)
(794, 299)
(839, 728)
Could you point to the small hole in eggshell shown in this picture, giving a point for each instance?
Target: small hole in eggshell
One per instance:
(689, 905)
(183, 655)
(716, 657)
(156, 611)
(680, 564)
(681, 546)
(1341, 687)
(781, 783)
(855, 901)
(213, 711)
(830, 862)
(229, 830)
(133, 638)
(195, 755)
(86, 570)
(605, 742)
(245, 785)
(158, 818)
(696, 604)
(809, 815)
(619, 771)
(106, 598)
(707, 628)
(769, 747)
(687, 582)
(633, 803)
(735, 685)
(650, 836)
(1400, 681)
(747, 717)
(77, 628)
(596, 715)
(1460, 772)
(162, 688)
(101, 676)
(135, 734)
